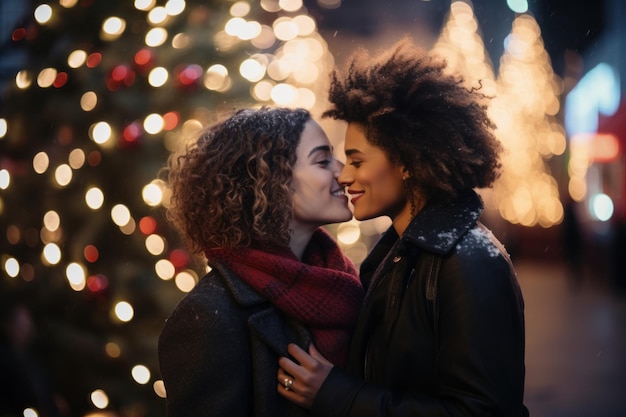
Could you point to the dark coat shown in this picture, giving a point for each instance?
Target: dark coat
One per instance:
(441, 332)
(219, 351)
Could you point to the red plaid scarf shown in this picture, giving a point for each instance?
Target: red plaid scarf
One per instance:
(322, 291)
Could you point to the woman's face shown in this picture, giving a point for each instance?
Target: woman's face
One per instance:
(318, 199)
(375, 185)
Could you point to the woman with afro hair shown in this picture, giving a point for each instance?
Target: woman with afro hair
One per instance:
(251, 194)
(441, 331)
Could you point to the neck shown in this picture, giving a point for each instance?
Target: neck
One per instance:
(403, 218)
(300, 239)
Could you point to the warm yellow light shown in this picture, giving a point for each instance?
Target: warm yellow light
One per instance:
(159, 388)
(46, 77)
(51, 254)
(306, 25)
(76, 158)
(180, 41)
(285, 29)
(156, 37)
(252, 70)
(120, 214)
(348, 233)
(99, 399)
(23, 79)
(155, 244)
(234, 26)
(5, 179)
(12, 267)
(157, 15)
(101, 132)
(63, 175)
(153, 193)
(270, 6)
(113, 350)
(290, 5)
(76, 276)
(141, 374)
(215, 77)
(262, 91)
(306, 98)
(144, 5)
(175, 7)
(88, 101)
(43, 13)
(158, 77)
(68, 4)
(185, 280)
(51, 220)
(76, 58)
(284, 94)
(30, 412)
(112, 28)
(279, 69)
(41, 162)
(94, 197)
(164, 269)
(265, 39)
(124, 311)
(240, 9)
(153, 123)
(306, 74)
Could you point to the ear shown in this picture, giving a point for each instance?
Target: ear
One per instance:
(405, 172)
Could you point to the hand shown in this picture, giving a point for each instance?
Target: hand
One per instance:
(307, 377)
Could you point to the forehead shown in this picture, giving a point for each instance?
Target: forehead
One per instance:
(356, 140)
(313, 136)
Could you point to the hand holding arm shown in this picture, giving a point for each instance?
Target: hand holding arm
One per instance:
(307, 377)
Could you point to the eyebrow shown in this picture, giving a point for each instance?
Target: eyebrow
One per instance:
(324, 148)
(350, 152)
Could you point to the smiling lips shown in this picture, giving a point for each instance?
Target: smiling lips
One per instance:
(339, 193)
(356, 194)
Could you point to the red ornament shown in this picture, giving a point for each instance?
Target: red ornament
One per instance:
(179, 258)
(147, 225)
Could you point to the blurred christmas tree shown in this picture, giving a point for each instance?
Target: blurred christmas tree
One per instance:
(107, 90)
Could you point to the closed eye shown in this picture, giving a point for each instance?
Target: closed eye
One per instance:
(324, 162)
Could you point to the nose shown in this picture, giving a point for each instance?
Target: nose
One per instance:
(345, 177)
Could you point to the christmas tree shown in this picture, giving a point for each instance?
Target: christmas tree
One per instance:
(107, 91)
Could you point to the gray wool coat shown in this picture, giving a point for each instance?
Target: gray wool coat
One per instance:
(219, 350)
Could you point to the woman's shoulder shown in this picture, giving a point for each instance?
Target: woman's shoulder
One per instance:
(479, 241)
(480, 262)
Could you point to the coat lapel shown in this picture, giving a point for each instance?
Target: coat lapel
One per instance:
(270, 333)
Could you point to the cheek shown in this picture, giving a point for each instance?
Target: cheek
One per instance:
(379, 178)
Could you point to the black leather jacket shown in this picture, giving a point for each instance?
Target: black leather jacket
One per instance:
(441, 332)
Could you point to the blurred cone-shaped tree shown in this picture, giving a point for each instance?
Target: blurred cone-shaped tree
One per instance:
(525, 111)
(461, 44)
(106, 91)
(524, 102)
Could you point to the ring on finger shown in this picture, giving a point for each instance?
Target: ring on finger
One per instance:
(287, 383)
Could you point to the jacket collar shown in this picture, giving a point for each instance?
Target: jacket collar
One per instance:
(438, 226)
(266, 322)
(244, 294)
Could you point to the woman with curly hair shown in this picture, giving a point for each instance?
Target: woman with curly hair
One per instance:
(250, 195)
(441, 331)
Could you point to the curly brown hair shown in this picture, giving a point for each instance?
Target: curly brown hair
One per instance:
(422, 118)
(230, 188)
